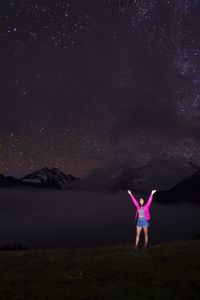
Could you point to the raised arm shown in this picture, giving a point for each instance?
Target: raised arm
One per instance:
(133, 199)
(150, 198)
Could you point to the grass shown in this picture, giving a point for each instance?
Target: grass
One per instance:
(164, 271)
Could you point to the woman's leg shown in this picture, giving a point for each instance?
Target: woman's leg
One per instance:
(146, 236)
(138, 231)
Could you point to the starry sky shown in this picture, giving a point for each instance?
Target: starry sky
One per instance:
(91, 85)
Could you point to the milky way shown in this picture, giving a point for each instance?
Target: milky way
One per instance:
(88, 85)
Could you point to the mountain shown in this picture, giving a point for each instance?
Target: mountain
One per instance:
(187, 190)
(49, 178)
(55, 179)
(162, 174)
(52, 178)
(9, 181)
(127, 179)
(181, 181)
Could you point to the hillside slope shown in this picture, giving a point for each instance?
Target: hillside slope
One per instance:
(164, 271)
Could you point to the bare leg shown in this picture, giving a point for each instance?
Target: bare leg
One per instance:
(138, 231)
(146, 236)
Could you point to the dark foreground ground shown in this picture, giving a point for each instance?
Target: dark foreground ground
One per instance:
(164, 271)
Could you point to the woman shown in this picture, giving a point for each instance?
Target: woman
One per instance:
(143, 217)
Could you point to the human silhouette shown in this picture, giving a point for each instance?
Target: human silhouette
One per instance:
(143, 216)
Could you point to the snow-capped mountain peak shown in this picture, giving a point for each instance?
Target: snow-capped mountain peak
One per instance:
(52, 176)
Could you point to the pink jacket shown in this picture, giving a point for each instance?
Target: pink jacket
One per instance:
(145, 207)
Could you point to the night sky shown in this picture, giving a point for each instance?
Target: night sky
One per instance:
(98, 85)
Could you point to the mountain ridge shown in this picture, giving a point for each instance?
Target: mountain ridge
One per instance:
(187, 189)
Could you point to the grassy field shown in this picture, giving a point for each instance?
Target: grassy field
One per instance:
(164, 271)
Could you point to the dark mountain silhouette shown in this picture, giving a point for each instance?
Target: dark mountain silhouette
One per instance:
(187, 190)
(43, 178)
(127, 179)
(160, 173)
(9, 181)
(51, 178)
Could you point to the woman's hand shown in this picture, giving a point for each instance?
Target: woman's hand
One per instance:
(129, 192)
(153, 191)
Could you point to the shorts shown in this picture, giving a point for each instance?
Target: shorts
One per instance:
(142, 222)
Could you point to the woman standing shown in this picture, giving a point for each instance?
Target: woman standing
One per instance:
(143, 217)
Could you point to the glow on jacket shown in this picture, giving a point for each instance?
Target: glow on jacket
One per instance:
(145, 207)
